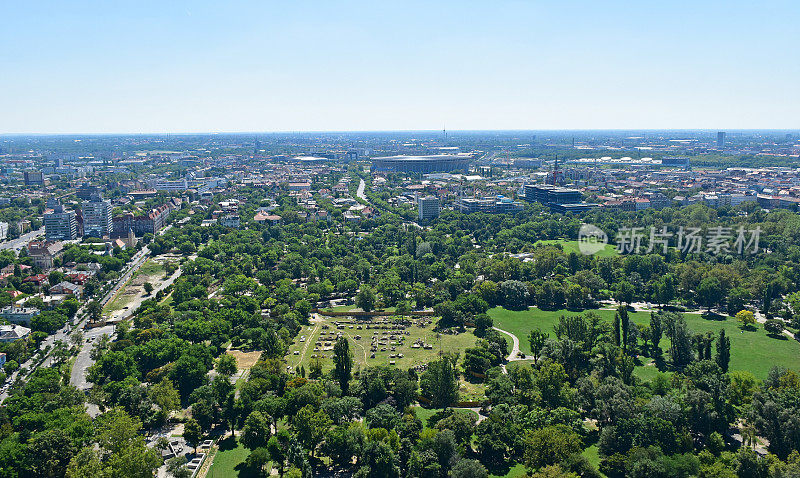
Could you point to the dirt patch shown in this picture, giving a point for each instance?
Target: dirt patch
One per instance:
(244, 360)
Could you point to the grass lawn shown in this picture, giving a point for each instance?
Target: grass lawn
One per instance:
(647, 371)
(572, 246)
(521, 322)
(151, 269)
(753, 351)
(471, 391)
(593, 455)
(510, 366)
(425, 413)
(516, 471)
(341, 308)
(229, 461)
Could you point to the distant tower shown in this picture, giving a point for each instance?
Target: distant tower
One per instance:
(720, 139)
(555, 177)
(444, 133)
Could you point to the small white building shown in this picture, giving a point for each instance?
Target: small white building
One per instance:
(12, 332)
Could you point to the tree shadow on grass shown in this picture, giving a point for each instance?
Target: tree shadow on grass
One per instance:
(247, 471)
(660, 363)
(227, 444)
(780, 336)
(500, 469)
(708, 315)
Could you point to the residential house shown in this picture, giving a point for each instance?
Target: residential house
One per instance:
(67, 288)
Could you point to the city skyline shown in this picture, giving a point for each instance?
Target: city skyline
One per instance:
(199, 68)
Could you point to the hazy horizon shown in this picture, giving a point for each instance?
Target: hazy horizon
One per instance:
(411, 131)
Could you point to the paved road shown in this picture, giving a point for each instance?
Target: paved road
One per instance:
(514, 355)
(762, 319)
(61, 334)
(20, 242)
(83, 361)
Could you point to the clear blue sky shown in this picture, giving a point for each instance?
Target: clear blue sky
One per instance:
(172, 66)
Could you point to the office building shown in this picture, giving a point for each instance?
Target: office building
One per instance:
(33, 178)
(498, 205)
(548, 194)
(97, 217)
(721, 139)
(167, 185)
(527, 163)
(575, 207)
(429, 208)
(557, 198)
(3, 231)
(60, 225)
(86, 191)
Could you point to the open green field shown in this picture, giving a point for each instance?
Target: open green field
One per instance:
(229, 461)
(521, 322)
(753, 351)
(572, 246)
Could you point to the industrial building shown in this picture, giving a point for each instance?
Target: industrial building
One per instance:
(675, 161)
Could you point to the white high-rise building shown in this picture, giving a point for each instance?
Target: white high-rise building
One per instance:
(428, 208)
(97, 217)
